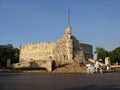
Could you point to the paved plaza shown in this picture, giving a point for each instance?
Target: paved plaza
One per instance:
(47, 81)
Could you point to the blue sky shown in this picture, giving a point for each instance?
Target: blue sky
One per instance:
(96, 22)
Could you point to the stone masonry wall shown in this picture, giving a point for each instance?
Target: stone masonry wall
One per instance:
(36, 51)
(87, 50)
(77, 50)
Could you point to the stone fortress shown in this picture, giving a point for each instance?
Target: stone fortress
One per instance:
(67, 49)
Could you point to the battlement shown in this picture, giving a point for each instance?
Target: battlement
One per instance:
(37, 44)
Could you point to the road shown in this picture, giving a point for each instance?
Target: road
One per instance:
(44, 81)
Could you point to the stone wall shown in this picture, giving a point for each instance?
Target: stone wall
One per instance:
(68, 48)
(77, 50)
(35, 64)
(36, 51)
(63, 50)
(87, 50)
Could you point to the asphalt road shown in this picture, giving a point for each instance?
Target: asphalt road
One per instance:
(38, 81)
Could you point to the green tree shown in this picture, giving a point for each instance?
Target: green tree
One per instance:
(101, 53)
(8, 51)
(115, 55)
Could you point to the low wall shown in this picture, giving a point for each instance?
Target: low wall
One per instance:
(35, 64)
